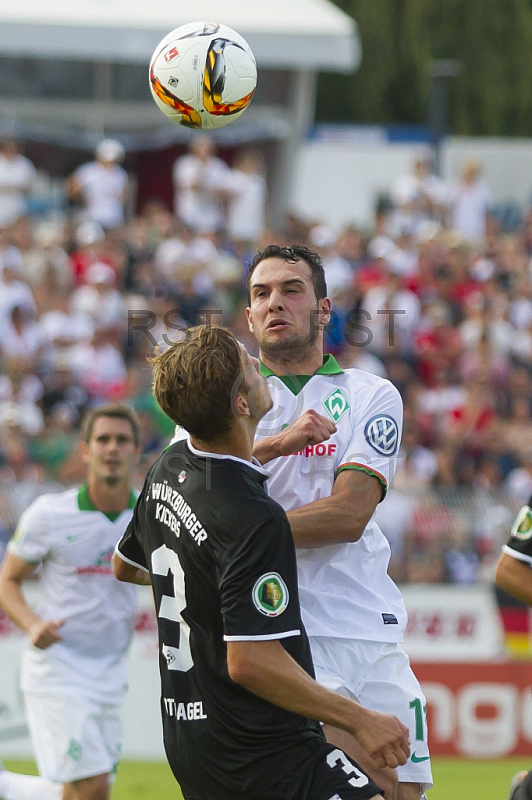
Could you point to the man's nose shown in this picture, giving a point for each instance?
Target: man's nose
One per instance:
(276, 300)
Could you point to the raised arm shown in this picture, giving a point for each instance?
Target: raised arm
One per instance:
(341, 517)
(309, 428)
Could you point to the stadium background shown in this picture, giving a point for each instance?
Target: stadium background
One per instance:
(463, 365)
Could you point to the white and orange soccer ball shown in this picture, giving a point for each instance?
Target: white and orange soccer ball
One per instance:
(203, 75)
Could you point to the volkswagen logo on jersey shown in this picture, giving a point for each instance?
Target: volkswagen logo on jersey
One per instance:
(382, 434)
(270, 594)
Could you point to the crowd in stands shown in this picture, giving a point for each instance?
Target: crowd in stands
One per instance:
(436, 297)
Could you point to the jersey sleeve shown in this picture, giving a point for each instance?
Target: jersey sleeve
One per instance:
(519, 545)
(376, 436)
(34, 534)
(258, 585)
(130, 548)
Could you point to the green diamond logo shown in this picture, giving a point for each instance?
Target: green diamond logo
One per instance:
(336, 405)
(74, 750)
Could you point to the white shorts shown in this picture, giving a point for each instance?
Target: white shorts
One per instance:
(73, 736)
(380, 677)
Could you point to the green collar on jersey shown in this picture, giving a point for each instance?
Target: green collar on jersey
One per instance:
(295, 383)
(85, 503)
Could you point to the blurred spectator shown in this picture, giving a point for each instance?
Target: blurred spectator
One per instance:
(247, 194)
(518, 483)
(23, 338)
(419, 196)
(102, 185)
(17, 174)
(99, 298)
(470, 202)
(200, 182)
(99, 367)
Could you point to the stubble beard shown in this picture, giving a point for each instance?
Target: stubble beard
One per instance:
(294, 348)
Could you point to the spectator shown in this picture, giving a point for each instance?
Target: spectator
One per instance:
(419, 196)
(470, 202)
(200, 183)
(247, 195)
(102, 185)
(99, 298)
(17, 174)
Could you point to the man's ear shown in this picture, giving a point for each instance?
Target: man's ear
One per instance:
(250, 322)
(84, 452)
(241, 405)
(325, 306)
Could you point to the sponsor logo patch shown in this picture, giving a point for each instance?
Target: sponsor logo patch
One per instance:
(382, 434)
(522, 527)
(336, 405)
(171, 54)
(270, 595)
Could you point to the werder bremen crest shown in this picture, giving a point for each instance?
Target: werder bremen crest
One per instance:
(336, 405)
(270, 595)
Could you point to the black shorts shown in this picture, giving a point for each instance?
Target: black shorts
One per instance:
(331, 775)
(328, 775)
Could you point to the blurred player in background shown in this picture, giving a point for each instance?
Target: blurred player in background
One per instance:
(513, 574)
(74, 669)
(238, 698)
(332, 456)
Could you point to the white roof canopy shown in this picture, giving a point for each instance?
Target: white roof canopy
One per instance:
(284, 34)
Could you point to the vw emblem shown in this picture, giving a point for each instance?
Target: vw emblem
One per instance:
(382, 434)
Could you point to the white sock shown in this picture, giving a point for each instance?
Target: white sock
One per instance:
(15, 786)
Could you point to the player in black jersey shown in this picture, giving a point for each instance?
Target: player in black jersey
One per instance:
(512, 573)
(239, 702)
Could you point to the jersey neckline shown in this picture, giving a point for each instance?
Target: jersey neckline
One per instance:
(296, 383)
(85, 503)
(255, 465)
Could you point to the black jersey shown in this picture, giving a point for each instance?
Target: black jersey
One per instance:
(222, 562)
(519, 545)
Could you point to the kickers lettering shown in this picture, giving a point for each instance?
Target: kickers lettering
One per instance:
(185, 711)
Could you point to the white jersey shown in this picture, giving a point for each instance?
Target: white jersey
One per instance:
(345, 589)
(74, 543)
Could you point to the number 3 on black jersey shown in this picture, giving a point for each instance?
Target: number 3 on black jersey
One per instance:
(164, 561)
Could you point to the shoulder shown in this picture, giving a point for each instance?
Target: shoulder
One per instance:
(360, 382)
(53, 502)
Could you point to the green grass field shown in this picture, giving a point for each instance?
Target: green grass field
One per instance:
(454, 779)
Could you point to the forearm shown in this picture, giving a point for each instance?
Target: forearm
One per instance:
(129, 573)
(268, 448)
(324, 522)
(13, 602)
(282, 682)
(515, 577)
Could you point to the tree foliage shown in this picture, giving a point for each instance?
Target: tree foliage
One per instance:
(401, 38)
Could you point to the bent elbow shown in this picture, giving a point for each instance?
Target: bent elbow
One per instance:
(119, 568)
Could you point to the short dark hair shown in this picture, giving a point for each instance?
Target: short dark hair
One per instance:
(293, 254)
(195, 379)
(115, 411)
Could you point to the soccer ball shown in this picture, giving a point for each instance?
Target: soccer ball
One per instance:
(203, 75)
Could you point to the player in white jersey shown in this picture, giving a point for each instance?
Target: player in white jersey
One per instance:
(331, 442)
(74, 668)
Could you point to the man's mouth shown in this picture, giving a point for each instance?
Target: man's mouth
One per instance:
(276, 324)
